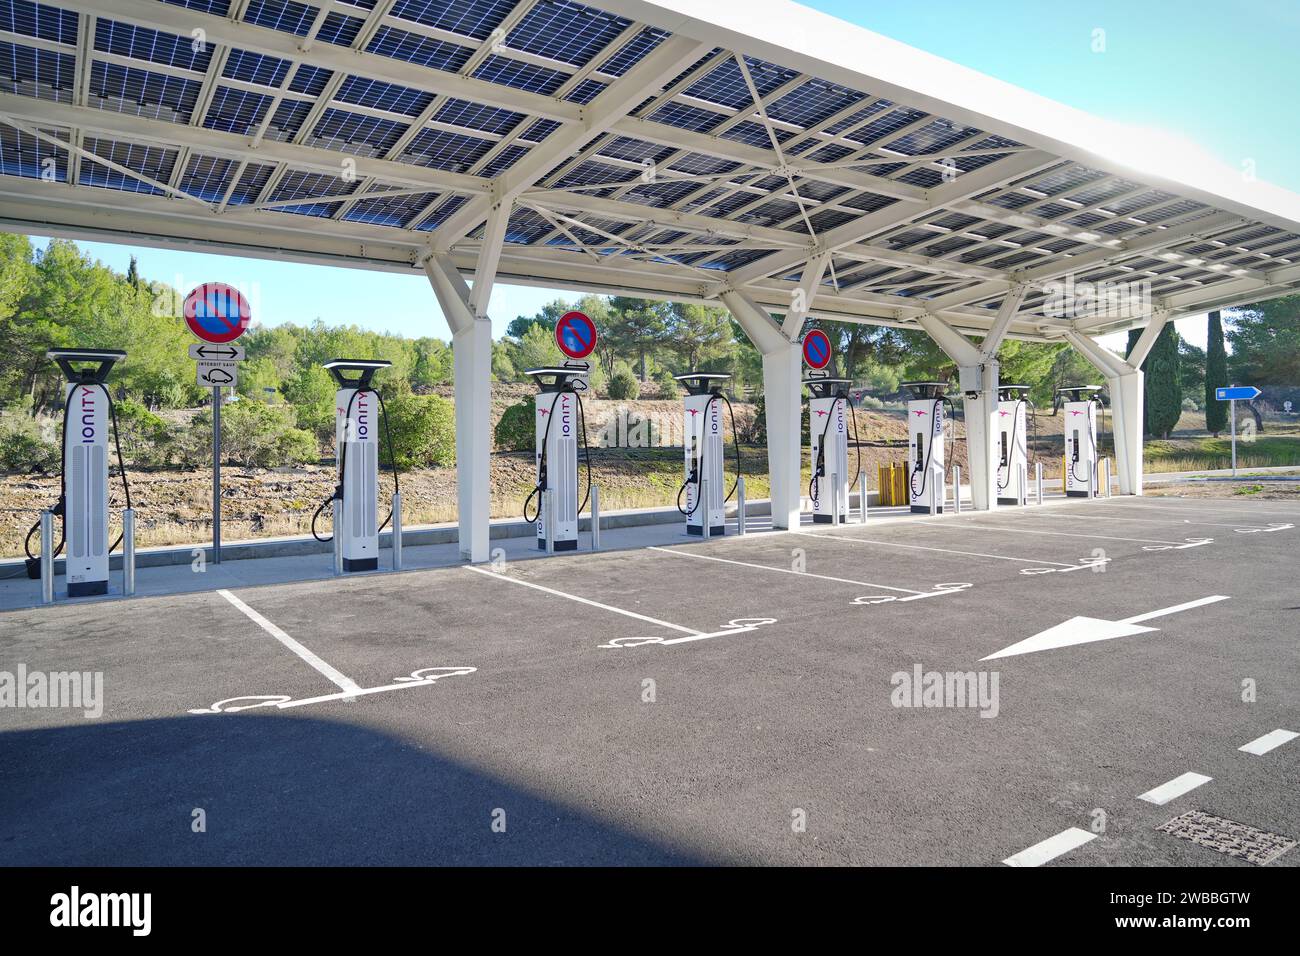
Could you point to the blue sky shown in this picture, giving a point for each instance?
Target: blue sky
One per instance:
(1221, 73)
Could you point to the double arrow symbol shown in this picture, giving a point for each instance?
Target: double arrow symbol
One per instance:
(215, 350)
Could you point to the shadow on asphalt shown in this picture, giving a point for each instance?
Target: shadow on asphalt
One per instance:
(278, 791)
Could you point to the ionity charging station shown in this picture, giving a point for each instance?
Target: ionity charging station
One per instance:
(83, 492)
(828, 430)
(926, 459)
(705, 501)
(558, 419)
(1080, 404)
(357, 407)
(1013, 445)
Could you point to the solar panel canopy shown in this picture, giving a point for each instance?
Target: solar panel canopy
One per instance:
(664, 150)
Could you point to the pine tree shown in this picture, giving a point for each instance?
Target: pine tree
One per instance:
(133, 275)
(1216, 376)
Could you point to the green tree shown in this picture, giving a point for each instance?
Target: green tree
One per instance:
(1216, 375)
(695, 333)
(1162, 390)
(424, 432)
(517, 428)
(637, 327)
(310, 391)
(1265, 340)
(536, 349)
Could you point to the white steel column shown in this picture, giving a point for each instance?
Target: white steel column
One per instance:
(471, 343)
(781, 396)
(977, 367)
(1124, 379)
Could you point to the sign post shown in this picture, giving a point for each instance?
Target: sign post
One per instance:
(1230, 394)
(217, 314)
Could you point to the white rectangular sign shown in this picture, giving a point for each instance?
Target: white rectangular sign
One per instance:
(205, 352)
(218, 373)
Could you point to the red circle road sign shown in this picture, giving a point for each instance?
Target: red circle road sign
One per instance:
(217, 313)
(817, 349)
(575, 334)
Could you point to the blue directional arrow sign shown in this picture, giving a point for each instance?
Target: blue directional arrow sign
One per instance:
(1237, 393)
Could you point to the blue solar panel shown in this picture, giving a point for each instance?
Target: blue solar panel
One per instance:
(397, 211)
(142, 43)
(441, 214)
(207, 176)
(379, 94)
(486, 119)
(400, 45)
(540, 130)
(286, 15)
(441, 150)
(355, 133)
(932, 138)
(251, 183)
(504, 160)
(340, 29)
(38, 20)
(754, 134)
(255, 68)
(813, 103)
(725, 84)
(299, 185)
(217, 7)
(633, 51)
(235, 111)
(43, 74)
(681, 116)
(124, 89)
(29, 157)
(585, 92)
(565, 31)
(310, 80)
(634, 150)
(470, 18)
(520, 76)
(153, 161)
(287, 119)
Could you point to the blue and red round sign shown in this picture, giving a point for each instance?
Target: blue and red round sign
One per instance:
(817, 349)
(575, 334)
(217, 312)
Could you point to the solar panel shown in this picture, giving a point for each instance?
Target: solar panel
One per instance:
(285, 15)
(355, 133)
(471, 18)
(255, 68)
(42, 74)
(23, 155)
(124, 89)
(142, 43)
(412, 48)
(565, 31)
(152, 161)
(38, 20)
(207, 176)
(235, 111)
(363, 91)
(517, 75)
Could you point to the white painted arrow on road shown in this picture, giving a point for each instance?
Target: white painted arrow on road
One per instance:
(1085, 630)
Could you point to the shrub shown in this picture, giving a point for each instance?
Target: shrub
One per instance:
(146, 438)
(423, 429)
(624, 386)
(253, 434)
(669, 387)
(517, 429)
(23, 448)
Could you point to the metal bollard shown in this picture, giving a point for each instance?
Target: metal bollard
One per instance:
(862, 497)
(1024, 485)
(595, 518)
(548, 522)
(337, 539)
(703, 507)
(835, 500)
(128, 552)
(740, 505)
(956, 489)
(397, 531)
(1038, 479)
(47, 557)
(937, 490)
(1105, 477)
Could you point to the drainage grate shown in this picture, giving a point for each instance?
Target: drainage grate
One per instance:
(1233, 839)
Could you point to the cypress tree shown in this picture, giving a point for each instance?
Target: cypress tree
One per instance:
(1216, 376)
(1164, 392)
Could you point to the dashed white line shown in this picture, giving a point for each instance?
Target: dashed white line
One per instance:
(1270, 741)
(1174, 788)
(1062, 534)
(919, 547)
(1051, 848)
(581, 600)
(340, 679)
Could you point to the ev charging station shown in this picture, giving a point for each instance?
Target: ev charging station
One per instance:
(706, 502)
(83, 496)
(356, 438)
(1013, 444)
(558, 416)
(829, 447)
(926, 458)
(1080, 405)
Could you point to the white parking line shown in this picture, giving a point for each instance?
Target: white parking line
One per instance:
(581, 600)
(1051, 848)
(341, 680)
(1062, 534)
(764, 567)
(1061, 515)
(1187, 606)
(919, 547)
(1174, 788)
(1219, 506)
(1270, 741)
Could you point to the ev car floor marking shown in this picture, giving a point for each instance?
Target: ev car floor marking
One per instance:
(1175, 788)
(1177, 545)
(1064, 566)
(339, 679)
(424, 677)
(581, 600)
(1049, 849)
(1270, 741)
(803, 574)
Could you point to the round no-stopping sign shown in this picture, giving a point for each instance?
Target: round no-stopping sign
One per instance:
(575, 334)
(817, 349)
(217, 313)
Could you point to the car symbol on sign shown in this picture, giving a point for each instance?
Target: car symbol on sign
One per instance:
(219, 376)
